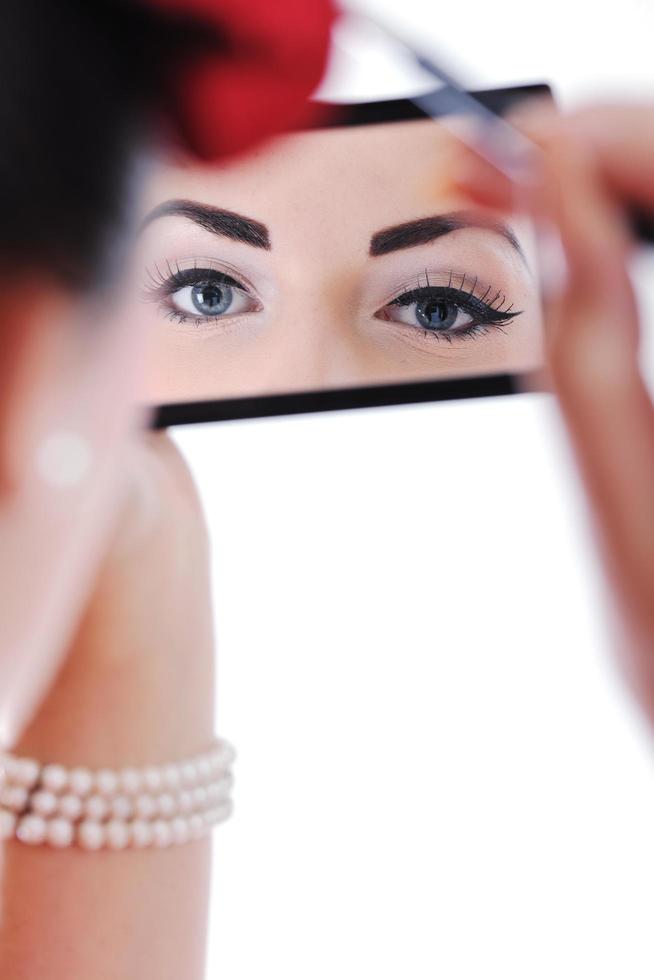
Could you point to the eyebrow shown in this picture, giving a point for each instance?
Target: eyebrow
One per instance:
(218, 221)
(425, 230)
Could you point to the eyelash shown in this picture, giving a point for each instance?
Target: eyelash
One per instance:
(162, 287)
(487, 315)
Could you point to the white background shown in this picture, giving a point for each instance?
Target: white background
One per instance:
(439, 774)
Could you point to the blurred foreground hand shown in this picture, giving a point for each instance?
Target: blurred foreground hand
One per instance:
(597, 163)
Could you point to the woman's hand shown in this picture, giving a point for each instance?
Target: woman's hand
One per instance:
(596, 164)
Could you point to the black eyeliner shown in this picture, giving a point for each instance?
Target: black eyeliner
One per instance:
(180, 278)
(485, 313)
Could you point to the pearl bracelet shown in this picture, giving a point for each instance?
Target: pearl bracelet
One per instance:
(152, 806)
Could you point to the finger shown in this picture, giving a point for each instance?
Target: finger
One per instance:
(622, 139)
(475, 177)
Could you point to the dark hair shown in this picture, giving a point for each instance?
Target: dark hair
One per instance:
(82, 83)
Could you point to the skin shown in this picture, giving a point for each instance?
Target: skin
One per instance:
(322, 196)
(105, 637)
(135, 688)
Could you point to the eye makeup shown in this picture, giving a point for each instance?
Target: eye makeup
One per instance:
(449, 307)
(201, 293)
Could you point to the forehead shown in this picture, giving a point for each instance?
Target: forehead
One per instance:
(368, 175)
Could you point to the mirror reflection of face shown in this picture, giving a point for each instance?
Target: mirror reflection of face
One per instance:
(331, 258)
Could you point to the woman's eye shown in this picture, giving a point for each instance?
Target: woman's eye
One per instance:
(211, 299)
(430, 314)
(447, 312)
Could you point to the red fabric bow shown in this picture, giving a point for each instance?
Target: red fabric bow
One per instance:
(271, 57)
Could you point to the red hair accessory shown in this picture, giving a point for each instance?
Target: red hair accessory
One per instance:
(255, 81)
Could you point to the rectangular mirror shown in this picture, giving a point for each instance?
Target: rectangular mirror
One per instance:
(335, 267)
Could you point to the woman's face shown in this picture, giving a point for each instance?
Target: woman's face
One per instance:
(331, 258)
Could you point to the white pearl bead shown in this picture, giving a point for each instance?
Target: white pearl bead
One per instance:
(152, 779)
(121, 807)
(10, 767)
(80, 781)
(71, 807)
(203, 764)
(14, 797)
(7, 824)
(60, 832)
(31, 829)
(200, 798)
(117, 834)
(25, 772)
(130, 781)
(171, 777)
(180, 830)
(161, 833)
(140, 832)
(185, 801)
(145, 806)
(96, 807)
(106, 782)
(90, 835)
(217, 792)
(189, 773)
(166, 805)
(54, 778)
(43, 802)
(196, 826)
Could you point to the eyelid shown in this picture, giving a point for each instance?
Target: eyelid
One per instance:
(457, 279)
(488, 309)
(162, 277)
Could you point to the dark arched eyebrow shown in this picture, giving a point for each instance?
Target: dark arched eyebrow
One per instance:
(218, 221)
(425, 230)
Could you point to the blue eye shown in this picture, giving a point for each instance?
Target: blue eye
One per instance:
(446, 312)
(209, 299)
(203, 295)
(438, 314)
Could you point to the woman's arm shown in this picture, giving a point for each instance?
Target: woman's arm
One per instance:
(597, 164)
(136, 689)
